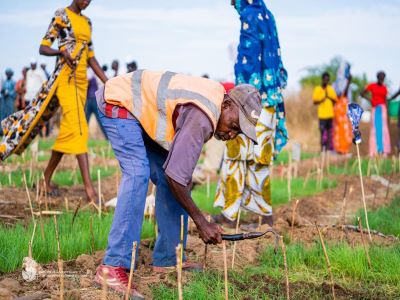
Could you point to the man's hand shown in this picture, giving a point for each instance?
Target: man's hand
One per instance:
(210, 233)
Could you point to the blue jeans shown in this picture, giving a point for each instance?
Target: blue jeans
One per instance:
(140, 159)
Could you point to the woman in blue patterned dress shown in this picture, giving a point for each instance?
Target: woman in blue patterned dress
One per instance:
(245, 173)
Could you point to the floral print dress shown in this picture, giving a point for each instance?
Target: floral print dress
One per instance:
(245, 172)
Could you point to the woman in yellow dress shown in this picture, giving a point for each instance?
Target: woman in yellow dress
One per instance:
(73, 32)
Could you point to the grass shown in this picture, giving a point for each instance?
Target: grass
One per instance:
(384, 219)
(279, 192)
(283, 157)
(380, 167)
(62, 178)
(307, 272)
(74, 240)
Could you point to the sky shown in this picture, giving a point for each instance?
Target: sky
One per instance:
(200, 36)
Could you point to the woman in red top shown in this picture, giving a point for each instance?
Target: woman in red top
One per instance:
(379, 139)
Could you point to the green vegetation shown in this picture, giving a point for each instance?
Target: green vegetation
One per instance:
(313, 76)
(62, 178)
(74, 240)
(380, 167)
(384, 219)
(284, 157)
(279, 192)
(307, 273)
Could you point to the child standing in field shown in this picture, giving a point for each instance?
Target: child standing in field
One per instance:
(325, 97)
(379, 138)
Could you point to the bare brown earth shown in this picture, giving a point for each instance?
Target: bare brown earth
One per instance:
(324, 208)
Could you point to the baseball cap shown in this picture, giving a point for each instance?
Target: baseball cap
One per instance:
(248, 99)
(33, 60)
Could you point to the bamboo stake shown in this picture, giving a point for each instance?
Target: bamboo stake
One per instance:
(225, 270)
(31, 241)
(206, 248)
(30, 170)
(66, 204)
(41, 219)
(29, 196)
(104, 288)
(281, 170)
(342, 213)
(128, 288)
(59, 261)
(388, 186)
(328, 264)
(234, 243)
(208, 186)
(9, 179)
(369, 168)
(91, 232)
(306, 179)
(76, 210)
(286, 268)
(363, 242)
(289, 179)
(182, 229)
(45, 192)
(259, 223)
(293, 215)
(156, 228)
(362, 192)
(179, 271)
(116, 182)
(99, 189)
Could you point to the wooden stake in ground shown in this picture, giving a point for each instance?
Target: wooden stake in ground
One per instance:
(225, 270)
(45, 192)
(342, 213)
(234, 243)
(60, 263)
(363, 242)
(179, 271)
(66, 204)
(286, 268)
(328, 263)
(128, 288)
(99, 187)
(206, 248)
(362, 192)
(293, 216)
(208, 186)
(116, 181)
(307, 178)
(182, 229)
(76, 210)
(289, 179)
(104, 288)
(259, 223)
(31, 241)
(91, 232)
(29, 196)
(388, 186)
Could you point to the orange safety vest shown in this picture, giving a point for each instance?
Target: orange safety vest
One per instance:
(153, 96)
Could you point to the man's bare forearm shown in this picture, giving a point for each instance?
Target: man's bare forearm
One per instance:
(182, 194)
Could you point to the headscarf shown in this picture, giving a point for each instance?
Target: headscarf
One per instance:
(342, 76)
(259, 60)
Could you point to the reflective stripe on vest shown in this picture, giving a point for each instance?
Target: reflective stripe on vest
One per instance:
(164, 93)
(137, 93)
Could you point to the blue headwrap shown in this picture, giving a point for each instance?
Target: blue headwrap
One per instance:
(354, 113)
(259, 60)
